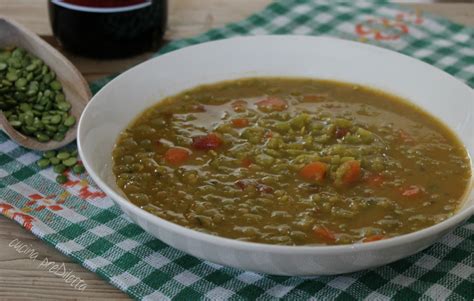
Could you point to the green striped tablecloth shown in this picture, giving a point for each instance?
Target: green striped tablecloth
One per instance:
(83, 223)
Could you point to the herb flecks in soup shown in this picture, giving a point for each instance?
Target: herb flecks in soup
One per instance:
(292, 161)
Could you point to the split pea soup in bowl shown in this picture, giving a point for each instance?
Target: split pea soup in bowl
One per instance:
(320, 164)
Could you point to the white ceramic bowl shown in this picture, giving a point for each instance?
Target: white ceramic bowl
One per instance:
(111, 110)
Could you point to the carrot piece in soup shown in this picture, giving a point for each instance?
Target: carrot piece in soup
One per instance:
(324, 233)
(240, 122)
(314, 171)
(412, 191)
(176, 156)
(246, 162)
(348, 173)
(373, 238)
(272, 104)
(207, 142)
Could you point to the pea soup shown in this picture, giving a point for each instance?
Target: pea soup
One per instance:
(292, 161)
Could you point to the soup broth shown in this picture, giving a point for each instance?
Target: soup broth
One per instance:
(292, 161)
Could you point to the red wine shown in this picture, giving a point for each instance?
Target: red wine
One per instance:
(108, 28)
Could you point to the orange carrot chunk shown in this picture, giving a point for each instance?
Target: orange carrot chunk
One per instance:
(314, 171)
(348, 173)
(246, 162)
(272, 104)
(373, 238)
(353, 173)
(324, 233)
(412, 191)
(240, 122)
(207, 142)
(176, 156)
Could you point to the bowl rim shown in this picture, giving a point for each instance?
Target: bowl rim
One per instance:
(459, 216)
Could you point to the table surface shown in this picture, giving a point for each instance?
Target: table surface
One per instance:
(19, 278)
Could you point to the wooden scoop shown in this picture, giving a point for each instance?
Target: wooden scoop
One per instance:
(75, 87)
